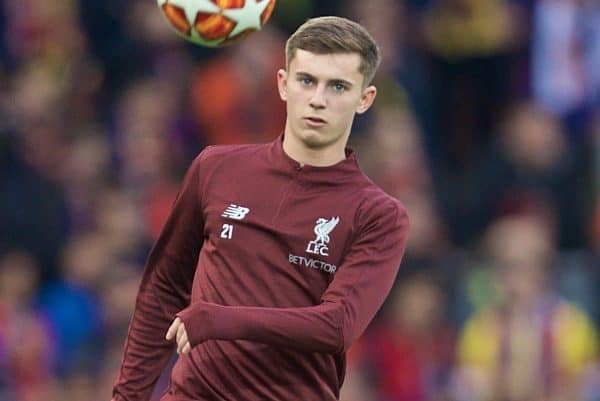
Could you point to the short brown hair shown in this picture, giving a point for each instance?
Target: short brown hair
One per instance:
(327, 35)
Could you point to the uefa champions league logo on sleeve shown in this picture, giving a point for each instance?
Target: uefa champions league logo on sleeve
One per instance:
(322, 229)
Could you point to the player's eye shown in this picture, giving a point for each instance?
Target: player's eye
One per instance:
(337, 87)
(306, 81)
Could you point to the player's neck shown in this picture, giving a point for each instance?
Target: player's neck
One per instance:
(318, 157)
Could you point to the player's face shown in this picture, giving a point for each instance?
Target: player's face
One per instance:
(323, 92)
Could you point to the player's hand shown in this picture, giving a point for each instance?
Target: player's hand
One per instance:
(177, 332)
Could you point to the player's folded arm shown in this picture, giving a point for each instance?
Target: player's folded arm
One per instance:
(358, 290)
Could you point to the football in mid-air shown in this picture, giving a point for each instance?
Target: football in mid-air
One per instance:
(216, 23)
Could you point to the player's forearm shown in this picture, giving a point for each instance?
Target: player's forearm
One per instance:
(349, 304)
(347, 307)
(146, 351)
(313, 329)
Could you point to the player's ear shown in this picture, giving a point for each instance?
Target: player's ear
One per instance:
(366, 99)
(282, 83)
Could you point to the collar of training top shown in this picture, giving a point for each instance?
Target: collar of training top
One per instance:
(347, 167)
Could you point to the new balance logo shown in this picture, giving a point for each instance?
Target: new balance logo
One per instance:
(235, 212)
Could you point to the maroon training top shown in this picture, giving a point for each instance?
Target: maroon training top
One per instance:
(286, 266)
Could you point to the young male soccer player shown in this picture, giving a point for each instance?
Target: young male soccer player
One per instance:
(276, 256)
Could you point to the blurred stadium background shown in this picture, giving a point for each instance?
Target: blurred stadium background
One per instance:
(487, 127)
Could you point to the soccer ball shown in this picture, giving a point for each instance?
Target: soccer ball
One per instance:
(216, 22)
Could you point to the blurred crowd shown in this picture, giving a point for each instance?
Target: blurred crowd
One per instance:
(487, 127)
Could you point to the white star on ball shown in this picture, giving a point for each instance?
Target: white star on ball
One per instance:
(247, 17)
(193, 7)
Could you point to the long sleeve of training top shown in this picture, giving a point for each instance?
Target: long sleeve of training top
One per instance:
(294, 262)
(165, 290)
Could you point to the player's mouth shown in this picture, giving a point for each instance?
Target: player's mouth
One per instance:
(315, 122)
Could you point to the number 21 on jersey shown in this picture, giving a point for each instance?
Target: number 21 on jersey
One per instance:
(227, 231)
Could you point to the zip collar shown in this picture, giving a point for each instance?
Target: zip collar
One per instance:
(341, 170)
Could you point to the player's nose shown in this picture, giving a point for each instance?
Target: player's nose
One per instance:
(317, 99)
